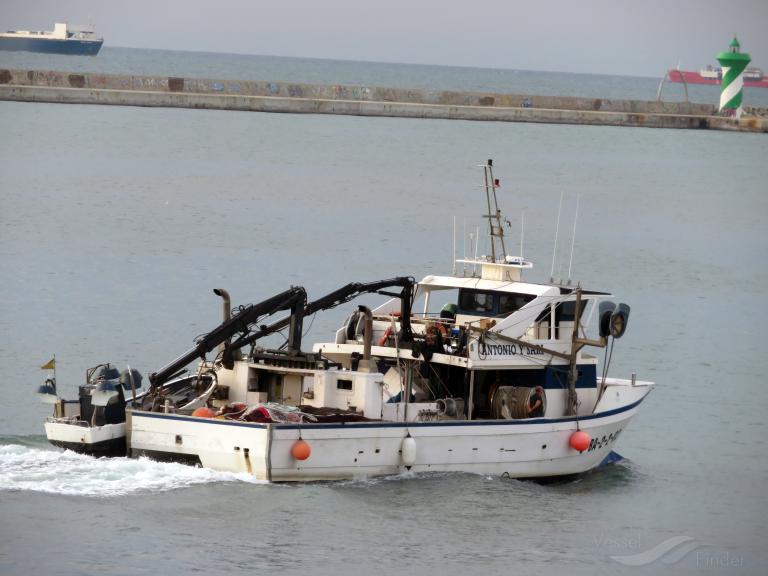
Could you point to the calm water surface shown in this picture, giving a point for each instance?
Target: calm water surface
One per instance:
(116, 223)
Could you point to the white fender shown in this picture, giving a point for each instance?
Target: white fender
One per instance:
(408, 450)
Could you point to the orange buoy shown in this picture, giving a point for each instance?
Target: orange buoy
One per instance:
(580, 440)
(203, 412)
(300, 450)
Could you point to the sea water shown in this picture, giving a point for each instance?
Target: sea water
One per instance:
(116, 223)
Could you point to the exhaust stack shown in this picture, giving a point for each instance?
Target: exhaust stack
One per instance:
(227, 314)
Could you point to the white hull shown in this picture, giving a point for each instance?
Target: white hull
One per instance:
(515, 448)
(106, 440)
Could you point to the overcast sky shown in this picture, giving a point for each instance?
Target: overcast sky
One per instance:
(638, 38)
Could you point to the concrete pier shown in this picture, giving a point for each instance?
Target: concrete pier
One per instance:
(125, 90)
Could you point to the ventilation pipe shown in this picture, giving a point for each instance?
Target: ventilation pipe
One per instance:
(366, 364)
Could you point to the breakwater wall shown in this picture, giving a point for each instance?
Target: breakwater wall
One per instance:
(136, 90)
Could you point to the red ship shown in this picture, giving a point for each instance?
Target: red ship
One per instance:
(753, 77)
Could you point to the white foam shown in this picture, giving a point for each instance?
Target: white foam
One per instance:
(55, 472)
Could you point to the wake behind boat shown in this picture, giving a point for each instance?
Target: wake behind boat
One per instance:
(496, 382)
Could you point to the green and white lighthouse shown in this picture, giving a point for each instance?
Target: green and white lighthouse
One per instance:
(733, 63)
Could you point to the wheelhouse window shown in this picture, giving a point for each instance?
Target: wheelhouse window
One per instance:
(509, 303)
(487, 303)
(475, 302)
(566, 311)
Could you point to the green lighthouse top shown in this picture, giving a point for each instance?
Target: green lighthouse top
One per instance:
(733, 55)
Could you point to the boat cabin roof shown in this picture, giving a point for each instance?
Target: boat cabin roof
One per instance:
(431, 283)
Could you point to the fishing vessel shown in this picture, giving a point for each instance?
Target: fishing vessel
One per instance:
(64, 39)
(478, 371)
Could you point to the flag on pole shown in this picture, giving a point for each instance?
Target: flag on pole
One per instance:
(50, 365)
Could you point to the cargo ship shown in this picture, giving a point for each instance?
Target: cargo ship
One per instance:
(64, 39)
(753, 77)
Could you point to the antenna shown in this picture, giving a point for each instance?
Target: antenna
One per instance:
(464, 238)
(557, 230)
(522, 231)
(471, 249)
(454, 246)
(573, 240)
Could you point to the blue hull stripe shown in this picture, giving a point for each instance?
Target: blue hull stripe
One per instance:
(529, 422)
(52, 46)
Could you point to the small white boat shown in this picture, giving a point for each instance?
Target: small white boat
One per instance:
(94, 423)
(497, 382)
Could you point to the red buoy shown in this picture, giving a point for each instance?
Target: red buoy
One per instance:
(203, 412)
(580, 440)
(300, 450)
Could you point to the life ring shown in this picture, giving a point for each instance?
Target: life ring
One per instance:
(436, 328)
(387, 333)
(436, 334)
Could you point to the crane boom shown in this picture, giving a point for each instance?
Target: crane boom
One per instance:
(294, 299)
(341, 296)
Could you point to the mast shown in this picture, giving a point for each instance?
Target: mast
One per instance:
(496, 231)
(572, 400)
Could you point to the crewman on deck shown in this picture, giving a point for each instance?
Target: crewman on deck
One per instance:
(535, 408)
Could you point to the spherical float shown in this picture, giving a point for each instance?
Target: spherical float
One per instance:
(203, 412)
(580, 440)
(300, 450)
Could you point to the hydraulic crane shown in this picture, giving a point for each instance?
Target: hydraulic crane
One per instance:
(295, 300)
(341, 296)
